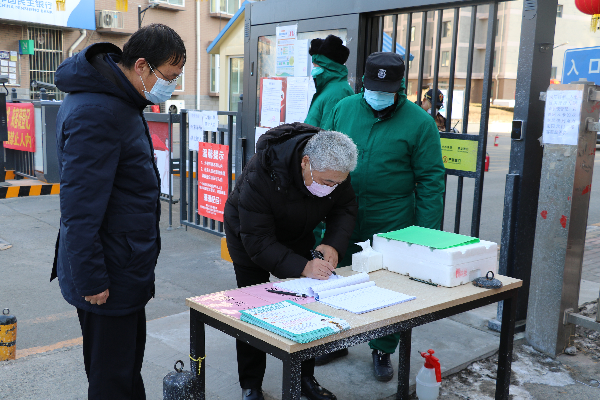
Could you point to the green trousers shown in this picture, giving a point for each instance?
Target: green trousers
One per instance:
(387, 344)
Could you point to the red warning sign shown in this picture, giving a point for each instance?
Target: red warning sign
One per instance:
(213, 181)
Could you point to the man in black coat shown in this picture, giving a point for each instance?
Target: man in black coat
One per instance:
(109, 237)
(298, 178)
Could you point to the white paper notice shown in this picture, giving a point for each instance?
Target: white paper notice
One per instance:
(4, 63)
(301, 58)
(210, 121)
(286, 40)
(296, 102)
(195, 132)
(270, 113)
(311, 91)
(257, 134)
(562, 116)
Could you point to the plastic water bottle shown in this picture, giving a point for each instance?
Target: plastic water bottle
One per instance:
(429, 377)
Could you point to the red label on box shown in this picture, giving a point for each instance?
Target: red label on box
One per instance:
(213, 185)
(21, 127)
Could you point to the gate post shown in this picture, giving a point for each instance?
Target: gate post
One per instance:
(3, 134)
(533, 77)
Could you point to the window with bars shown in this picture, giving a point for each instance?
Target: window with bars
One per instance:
(47, 56)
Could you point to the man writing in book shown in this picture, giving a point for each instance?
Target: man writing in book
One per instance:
(399, 179)
(297, 178)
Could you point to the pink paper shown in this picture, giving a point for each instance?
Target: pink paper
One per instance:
(231, 302)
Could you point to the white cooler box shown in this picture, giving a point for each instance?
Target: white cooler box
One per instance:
(447, 267)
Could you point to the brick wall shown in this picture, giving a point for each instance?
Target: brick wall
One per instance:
(184, 22)
(9, 41)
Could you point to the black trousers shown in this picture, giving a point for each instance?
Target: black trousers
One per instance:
(252, 362)
(113, 351)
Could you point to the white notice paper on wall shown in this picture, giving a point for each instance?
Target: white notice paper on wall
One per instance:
(562, 116)
(270, 113)
(296, 108)
(259, 132)
(195, 131)
(210, 121)
(301, 58)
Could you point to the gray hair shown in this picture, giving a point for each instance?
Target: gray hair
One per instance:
(329, 150)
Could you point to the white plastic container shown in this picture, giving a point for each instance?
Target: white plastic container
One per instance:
(447, 267)
(429, 378)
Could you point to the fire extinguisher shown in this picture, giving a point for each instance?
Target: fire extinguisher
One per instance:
(487, 162)
(496, 140)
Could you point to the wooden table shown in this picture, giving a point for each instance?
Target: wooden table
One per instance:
(432, 303)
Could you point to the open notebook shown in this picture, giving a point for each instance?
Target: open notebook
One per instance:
(354, 293)
(292, 321)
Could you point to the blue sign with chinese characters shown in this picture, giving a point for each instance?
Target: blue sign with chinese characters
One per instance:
(67, 13)
(582, 63)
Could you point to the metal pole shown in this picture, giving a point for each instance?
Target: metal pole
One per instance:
(170, 150)
(3, 134)
(139, 16)
(422, 55)
(535, 61)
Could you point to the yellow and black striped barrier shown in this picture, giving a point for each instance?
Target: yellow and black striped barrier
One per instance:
(8, 336)
(7, 192)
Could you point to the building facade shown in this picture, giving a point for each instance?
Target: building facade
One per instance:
(197, 22)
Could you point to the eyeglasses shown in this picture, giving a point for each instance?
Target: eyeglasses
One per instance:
(169, 81)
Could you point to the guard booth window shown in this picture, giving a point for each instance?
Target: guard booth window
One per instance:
(48, 45)
(267, 58)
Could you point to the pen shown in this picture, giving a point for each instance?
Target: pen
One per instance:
(319, 255)
(286, 293)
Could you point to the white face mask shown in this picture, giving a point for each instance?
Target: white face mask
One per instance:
(161, 91)
(316, 188)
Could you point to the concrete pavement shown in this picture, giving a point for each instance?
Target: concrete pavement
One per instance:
(50, 364)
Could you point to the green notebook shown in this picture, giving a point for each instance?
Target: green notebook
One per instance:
(294, 322)
(429, 237)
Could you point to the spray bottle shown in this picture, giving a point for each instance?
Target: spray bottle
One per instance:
(429, 377)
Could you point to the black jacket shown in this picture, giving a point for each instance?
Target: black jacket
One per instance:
(109, 186)
(270, 216)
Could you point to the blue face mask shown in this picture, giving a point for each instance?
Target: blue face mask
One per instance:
(379, 100)
(161, 91)
(316, 71)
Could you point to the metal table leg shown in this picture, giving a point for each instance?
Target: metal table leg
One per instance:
(404, 364)
(197, 354)
(509, 314)
(291, 378)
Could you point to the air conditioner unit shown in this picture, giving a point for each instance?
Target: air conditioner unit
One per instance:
(109, 19)
(175, 106)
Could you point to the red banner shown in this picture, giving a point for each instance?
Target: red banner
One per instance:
(213, 182)
(21, 127)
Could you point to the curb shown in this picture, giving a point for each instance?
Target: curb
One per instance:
(8, 192)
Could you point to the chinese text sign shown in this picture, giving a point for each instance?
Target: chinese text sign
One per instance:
(213, 180)
(21, 127)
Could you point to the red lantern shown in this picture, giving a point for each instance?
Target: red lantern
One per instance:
(590, 7)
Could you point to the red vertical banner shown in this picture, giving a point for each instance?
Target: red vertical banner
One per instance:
(213, 182)
(21, 127)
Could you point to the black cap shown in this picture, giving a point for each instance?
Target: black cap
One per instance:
(439, 100)
(331, 47)
(384, 72)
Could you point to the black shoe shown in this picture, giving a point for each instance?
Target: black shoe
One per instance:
(311, 389)
(327, 358)
(252, 394)
(382, 366)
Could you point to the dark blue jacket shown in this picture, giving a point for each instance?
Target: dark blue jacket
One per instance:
(109, 186)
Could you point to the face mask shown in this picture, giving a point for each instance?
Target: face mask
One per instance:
(316, 188)
(317, 71)
(379, 100)
(161, 91)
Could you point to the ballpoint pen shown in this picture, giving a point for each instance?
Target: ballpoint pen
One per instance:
(319, 255)
(286, 293)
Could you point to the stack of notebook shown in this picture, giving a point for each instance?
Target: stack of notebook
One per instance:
(294, 322)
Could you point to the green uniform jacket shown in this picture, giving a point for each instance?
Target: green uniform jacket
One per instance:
(399, 179)
(332, 86)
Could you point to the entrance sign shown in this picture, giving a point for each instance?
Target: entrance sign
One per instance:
(581, 63)
(72, 14)
(21, 127)
(213, 185)
(460, 155)
(562, 116)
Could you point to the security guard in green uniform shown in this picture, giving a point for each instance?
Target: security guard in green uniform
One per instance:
(331, 81)
(399, 179)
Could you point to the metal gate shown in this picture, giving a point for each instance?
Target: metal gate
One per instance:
(429, 65)
(48, 54)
